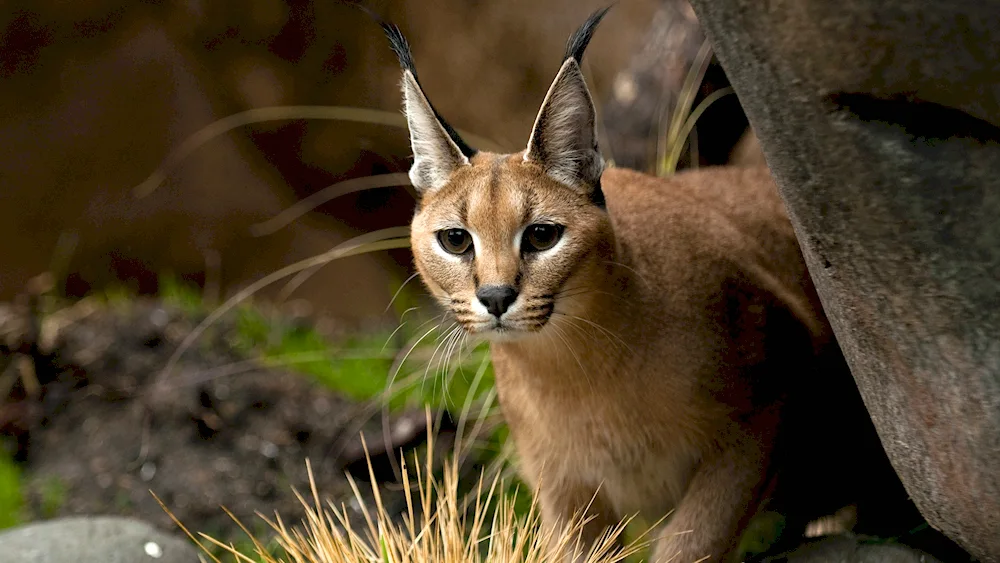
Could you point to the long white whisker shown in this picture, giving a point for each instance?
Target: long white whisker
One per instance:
(344, 187)
(452, 364)
(577, 291)
(386, 432)
(629, 268)
(441, 341)
(569, 346)
(458, 359)
(399, 364)
(588, 336)
(454, 358)
(400, 290)
(392, 334)
(402, 323)
(608, 334)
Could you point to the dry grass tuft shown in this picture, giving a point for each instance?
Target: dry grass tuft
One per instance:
(440, 525)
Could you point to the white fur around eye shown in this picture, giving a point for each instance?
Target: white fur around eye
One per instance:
(520, 236)
(440, 251)
(475, 240)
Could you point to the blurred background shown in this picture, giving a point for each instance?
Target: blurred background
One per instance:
(96, 94)
(115, 248)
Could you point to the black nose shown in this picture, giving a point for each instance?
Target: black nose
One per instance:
(496, 298)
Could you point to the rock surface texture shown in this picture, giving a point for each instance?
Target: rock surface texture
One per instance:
(880, 120)
(99, 539)
(848, 549)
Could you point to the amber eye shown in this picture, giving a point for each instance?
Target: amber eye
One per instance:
(455, 241)
(541, 236)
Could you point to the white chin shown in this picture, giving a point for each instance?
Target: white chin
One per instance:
(502, 334)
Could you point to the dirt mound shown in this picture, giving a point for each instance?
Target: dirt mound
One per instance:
(99, 434)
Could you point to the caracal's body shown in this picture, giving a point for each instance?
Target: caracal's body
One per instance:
(649, 389)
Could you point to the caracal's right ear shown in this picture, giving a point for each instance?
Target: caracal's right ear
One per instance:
(564, 138)
(437, 149)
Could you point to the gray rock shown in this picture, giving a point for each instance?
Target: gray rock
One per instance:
(848, 549)
(880, 120)
(102, 539)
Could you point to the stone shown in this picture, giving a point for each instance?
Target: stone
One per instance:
(850, 549)
(93, 539)
(880, 121)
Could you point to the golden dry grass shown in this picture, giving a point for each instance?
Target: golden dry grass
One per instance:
(440, 525)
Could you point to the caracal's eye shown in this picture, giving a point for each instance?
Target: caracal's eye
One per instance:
(541, 236)
(455, 241)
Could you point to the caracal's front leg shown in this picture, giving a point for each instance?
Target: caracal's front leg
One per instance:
(721, 497)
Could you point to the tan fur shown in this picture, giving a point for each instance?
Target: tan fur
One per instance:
(636, 384)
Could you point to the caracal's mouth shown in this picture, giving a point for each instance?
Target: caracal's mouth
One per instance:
(505, 330)
(522, 320)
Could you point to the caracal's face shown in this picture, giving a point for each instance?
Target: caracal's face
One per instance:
(502, 245)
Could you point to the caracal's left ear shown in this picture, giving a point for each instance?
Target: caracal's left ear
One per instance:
(564, 138)
(437, 149)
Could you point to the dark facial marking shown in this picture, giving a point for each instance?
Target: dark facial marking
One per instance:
(597, 196)
(463, 211)
(494, 191)
(529, 207)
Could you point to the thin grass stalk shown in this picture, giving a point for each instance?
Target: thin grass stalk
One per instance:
(383, 239)
(333, 191)
(277, 113)
(689, 89)
(670, 164)
(692, 81)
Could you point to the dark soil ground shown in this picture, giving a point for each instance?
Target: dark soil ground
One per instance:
(220, 430)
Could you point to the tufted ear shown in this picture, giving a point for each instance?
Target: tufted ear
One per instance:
(564, 138)
(437, 148)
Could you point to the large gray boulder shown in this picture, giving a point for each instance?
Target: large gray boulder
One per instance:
(98, 539)
(879, 120)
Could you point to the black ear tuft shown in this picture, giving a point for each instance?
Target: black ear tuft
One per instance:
(401, 47)
(581, 38)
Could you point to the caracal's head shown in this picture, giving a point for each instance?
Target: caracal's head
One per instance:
(507, 241)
